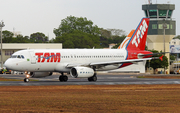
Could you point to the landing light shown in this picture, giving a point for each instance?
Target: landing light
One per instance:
(27, 76)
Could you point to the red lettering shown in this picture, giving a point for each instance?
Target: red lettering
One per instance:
(55, 58)
(39, 56)
(51, 57)
(46, 56)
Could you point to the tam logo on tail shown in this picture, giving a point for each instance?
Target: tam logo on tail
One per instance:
(138, 40)
(140, 33)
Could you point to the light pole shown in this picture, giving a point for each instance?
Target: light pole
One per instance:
(164, 27)
(1, 25)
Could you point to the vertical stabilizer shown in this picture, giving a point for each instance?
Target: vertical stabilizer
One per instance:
(138, 39)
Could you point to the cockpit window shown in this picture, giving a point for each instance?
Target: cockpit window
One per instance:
(22, 56)
(18, 56)
(13, 56)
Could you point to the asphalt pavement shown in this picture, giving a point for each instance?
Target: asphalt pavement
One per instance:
(102, 79)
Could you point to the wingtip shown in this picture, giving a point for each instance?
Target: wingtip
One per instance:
(161, 58)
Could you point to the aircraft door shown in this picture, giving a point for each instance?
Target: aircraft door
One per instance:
(33, 57)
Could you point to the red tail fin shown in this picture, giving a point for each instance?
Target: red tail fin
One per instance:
(138, 39)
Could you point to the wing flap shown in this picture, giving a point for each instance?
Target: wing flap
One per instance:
(120, 62)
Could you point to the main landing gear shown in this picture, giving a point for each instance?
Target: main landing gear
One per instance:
(63, 78)
(93, 78)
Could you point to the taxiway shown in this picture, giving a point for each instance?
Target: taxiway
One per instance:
(103, 79)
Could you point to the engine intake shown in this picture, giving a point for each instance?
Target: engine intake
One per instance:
(81, 72)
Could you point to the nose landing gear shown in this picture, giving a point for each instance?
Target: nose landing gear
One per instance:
(26, 80)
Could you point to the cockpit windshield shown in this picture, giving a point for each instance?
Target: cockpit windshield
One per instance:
(17, 56)
(13, 56)
(22, 56)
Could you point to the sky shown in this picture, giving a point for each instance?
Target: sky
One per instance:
(31, 16)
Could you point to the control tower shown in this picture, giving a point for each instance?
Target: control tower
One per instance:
(162, 28)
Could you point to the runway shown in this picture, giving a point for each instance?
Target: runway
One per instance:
(103, 79)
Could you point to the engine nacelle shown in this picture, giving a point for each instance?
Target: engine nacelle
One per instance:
(40, 74)
(81, 72)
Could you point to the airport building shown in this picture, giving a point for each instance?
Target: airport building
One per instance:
(162, 27)
(9, 48)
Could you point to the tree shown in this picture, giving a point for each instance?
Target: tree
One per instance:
(76, 32)
(71, 24)
(38, 38)
(21, 39)
(157, 63)
(177, 37)
(7, 36)
(78, 39)
(116, 46)
(104, 42)
(117, 32)
(105, 33)
(118, 39)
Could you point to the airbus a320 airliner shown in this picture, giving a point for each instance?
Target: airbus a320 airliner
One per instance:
(82, 62)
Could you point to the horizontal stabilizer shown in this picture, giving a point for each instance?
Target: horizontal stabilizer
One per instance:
(152, 54)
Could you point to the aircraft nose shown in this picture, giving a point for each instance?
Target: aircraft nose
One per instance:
(7, 64)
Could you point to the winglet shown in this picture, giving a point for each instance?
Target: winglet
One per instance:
(161, 58)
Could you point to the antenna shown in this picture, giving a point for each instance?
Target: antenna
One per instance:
(150, 1)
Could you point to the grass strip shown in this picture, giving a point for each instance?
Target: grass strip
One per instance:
(160, 77)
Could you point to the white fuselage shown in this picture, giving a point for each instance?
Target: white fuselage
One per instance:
(40, 60)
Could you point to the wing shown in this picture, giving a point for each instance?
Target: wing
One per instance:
(134, 61)
(152, 54)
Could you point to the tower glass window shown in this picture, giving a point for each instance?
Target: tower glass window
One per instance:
(160, 26)
(146, 13)
(154, 26)
(162, 13)
(153, 13)
(169, 13)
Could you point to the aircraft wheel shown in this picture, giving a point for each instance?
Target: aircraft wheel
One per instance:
(90, 79)
(26, 80)
(63, 78)
(93, 78)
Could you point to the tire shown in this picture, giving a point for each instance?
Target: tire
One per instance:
(26, 80)
(90, 79)
(93, 78)
(63, 78)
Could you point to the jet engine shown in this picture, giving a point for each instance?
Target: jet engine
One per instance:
(81, 72)
(40, 74)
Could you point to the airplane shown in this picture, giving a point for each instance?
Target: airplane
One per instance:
(82, 63)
